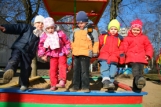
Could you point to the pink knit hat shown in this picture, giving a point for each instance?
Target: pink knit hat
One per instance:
(48, 22)
(137, 23)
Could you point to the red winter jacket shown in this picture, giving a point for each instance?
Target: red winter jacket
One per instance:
(137, 47)
(111, 49)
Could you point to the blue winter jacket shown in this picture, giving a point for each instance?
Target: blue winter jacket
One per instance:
(27, 42)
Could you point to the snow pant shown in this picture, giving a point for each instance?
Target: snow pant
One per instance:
(25, 60)
(58, 67)
(137, 71)
(81, 72)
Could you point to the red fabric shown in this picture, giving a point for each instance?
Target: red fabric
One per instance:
(58, 66)
(122, 60)
(137, 47)
(110, 51)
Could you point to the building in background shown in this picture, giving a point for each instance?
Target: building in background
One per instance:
(6, 40)
(123, 31)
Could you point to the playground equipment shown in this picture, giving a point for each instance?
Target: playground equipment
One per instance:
(60, 8)
(12, 97)
(45, 98)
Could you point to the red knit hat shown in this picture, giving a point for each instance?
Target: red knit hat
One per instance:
(136, 23)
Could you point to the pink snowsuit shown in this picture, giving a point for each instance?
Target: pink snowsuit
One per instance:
(58, 57)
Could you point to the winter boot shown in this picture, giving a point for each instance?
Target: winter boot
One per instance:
(7, 76)
(53, 88)
(23, 88)
(141, 82)
(73, 89)
(61, 84)
(108, 85)
(86, 90)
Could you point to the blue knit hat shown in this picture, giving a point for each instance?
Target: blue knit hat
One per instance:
(81, 17)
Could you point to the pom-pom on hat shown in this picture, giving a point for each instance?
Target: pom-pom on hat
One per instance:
(137, 23)
(81, 17)
(39, 18)
(48, 22)
(114, 23)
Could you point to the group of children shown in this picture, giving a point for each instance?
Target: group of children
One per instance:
(109, 48)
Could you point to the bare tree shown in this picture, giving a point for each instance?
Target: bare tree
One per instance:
(114, 8)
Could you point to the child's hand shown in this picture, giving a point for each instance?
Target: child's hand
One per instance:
(146, 57)
(69, 67)
(95, 55)
(44, 58)
(2, 28)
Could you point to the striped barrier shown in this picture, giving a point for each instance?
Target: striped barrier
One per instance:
(13, 97)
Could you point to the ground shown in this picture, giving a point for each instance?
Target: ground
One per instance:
(153, 99)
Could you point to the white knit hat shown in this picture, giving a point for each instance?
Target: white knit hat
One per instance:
(48, 22)
(39, 18)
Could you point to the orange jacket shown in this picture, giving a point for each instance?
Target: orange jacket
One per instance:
(81, 43)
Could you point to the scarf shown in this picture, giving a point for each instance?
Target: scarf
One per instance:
(37, 32)
(52, 41)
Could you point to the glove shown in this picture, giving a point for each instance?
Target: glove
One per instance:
(95, 55)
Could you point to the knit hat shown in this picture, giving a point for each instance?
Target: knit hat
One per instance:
(137, 23)
(39, 18)
(114, 23)
(81, 17)
(48, 22)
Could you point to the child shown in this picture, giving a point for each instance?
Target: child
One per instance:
(83, 48)
(23, 49)
(138, 51)
(56, 46)
(111, 48)
(158, 61)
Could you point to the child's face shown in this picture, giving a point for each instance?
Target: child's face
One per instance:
(39, 25)
(81, 25)
(113, 30)
(50, 29)
(135, 31)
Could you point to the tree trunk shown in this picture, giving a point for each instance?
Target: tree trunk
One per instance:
(114, 8)
(34, 67)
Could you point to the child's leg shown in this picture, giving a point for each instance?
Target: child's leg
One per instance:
(76, 74)
(62, 71)
(25, 71)
(53, 72)
(113, 71)
(85, 63)
(104, 68)
(138, 81)
(105, 73)
(12, 65)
